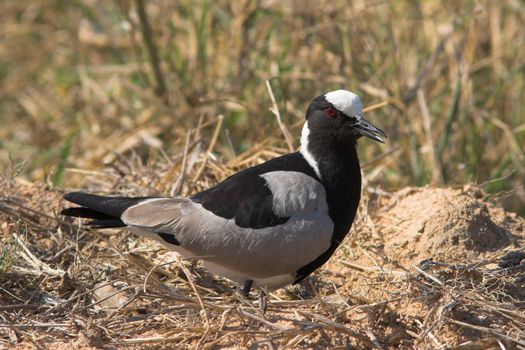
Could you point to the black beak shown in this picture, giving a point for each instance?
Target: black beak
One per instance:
(365, 128)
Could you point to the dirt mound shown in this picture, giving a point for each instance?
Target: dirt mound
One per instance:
(445, 224)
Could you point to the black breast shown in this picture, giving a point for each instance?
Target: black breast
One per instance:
(341, 177)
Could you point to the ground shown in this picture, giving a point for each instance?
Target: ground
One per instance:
(422, 268)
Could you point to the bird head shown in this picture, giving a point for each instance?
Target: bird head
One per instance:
(338, 116)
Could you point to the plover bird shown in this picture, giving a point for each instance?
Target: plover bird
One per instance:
(268, 225)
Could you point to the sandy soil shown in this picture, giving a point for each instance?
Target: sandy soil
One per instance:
(446, 224)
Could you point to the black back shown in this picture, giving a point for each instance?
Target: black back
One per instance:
(245, 195)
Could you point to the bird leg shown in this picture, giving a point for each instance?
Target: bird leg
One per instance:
(247, 287)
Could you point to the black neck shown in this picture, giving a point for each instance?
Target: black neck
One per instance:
(338, 166)
(341, 176)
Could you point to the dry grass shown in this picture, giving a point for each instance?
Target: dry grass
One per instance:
(65, 285)
(97, 96)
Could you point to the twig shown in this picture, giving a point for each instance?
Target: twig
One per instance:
(490, 331)
(275, 110)
(34, 325)
(372, 269)
(20, 307)
(214, 138)
(375, 106)
(149, 273)
(34, 261)
(428, 332)
(373, 338)
(177, 186)
(142, 340)
(199, 299)
(261, 320)
(426, 274)
(338, 327)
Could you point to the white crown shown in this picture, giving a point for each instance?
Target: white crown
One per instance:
(346, 102)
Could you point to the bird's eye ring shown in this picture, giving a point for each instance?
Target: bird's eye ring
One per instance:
(330, 112)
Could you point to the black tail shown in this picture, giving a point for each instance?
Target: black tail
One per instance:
(104, 212)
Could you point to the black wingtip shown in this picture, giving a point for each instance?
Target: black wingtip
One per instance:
(107, 223)
(80, 212)
(105, 212)
(69, 212)
(79, 197)
(112, 206)
(70, 197)
(97, 219)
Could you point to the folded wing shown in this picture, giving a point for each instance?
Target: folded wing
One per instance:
(256, 226)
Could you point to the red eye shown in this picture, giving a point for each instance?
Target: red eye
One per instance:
(330, 111)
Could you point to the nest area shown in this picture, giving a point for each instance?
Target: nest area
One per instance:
(421, 268)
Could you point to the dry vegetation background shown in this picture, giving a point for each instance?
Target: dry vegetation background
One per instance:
(169, 97)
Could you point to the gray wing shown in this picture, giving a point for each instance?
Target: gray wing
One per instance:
(255, 252)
